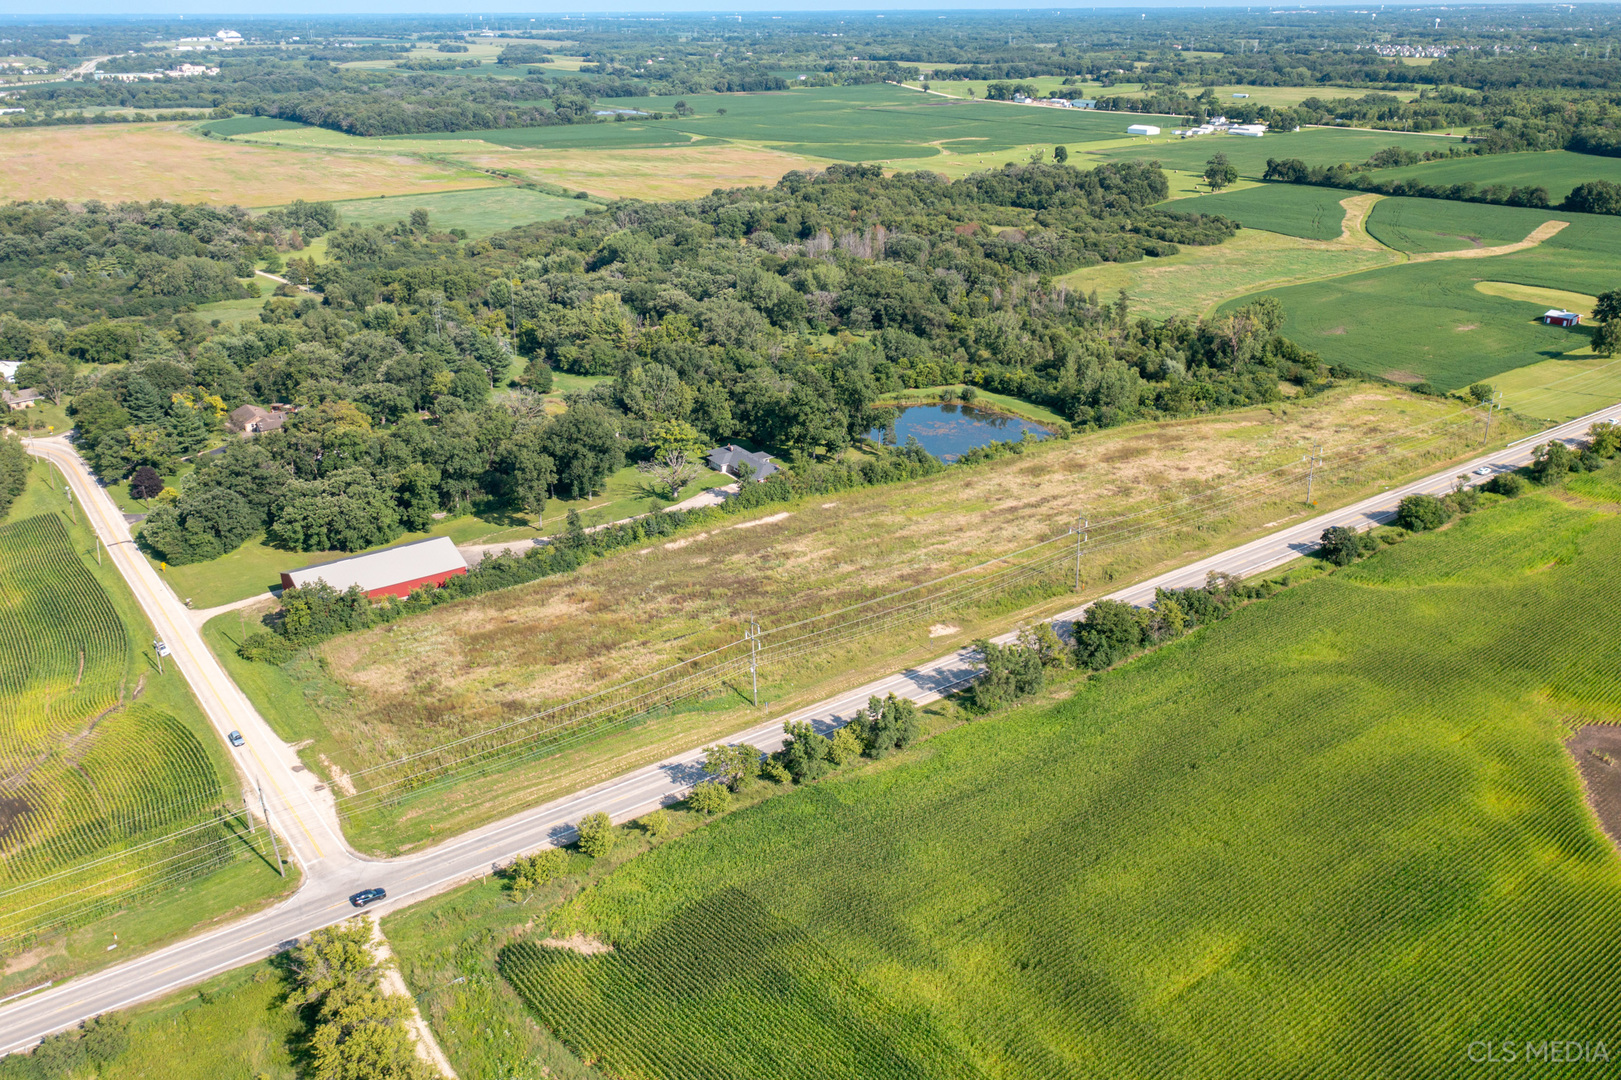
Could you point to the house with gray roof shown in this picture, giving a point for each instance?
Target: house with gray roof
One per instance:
(727, 458)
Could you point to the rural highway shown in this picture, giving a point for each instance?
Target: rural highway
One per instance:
(334, 873)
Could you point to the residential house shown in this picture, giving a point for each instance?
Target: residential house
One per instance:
(727, 458)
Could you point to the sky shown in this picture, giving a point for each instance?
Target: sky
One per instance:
(216, 9)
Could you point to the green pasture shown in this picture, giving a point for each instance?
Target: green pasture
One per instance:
(1424, 225)
(1336, 835)
(1292, 209)
(1556, 170)
(481, 211)
(1314, 146)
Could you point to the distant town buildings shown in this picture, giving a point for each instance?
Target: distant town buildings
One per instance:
(1435, 52)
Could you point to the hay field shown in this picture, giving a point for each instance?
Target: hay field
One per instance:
(1313, 213)
(162, 161)
(685, 172)
(1314, 146)
(1291, 845)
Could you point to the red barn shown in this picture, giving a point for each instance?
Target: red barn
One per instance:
(392, 571)
(1559, 317)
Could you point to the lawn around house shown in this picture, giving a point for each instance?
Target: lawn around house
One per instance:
(1292, 824)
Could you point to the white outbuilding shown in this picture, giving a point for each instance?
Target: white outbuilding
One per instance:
(1142, 129)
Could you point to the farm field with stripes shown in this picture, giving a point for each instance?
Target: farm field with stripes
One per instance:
(1341, 827)
(105, 793)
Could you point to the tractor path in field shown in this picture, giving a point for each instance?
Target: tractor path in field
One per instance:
(1535, 237)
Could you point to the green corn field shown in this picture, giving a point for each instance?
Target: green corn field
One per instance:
(102, 797)
(1337, 835)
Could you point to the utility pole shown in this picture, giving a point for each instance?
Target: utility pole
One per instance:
(752, 635)
(1081, 524)
(1491, 407)
(1311, 472)
(273, 845)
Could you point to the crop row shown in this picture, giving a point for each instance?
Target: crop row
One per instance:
(1336, 835)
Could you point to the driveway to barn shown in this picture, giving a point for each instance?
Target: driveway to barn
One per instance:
(322, 899)
(476, 553)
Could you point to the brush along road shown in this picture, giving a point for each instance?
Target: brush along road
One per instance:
(335, 874)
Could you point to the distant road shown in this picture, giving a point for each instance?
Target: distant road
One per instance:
(321, 901)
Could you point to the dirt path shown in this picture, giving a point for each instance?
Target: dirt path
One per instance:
(1536, 236)
(392, 984)
(1354, 229)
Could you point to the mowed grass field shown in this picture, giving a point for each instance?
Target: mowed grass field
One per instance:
(1427, 225)
(366, 698)
(119, 162)
(1556, 170)
(1337, 835)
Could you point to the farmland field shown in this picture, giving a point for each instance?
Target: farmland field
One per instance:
(1429, 320)
(100, 752)
(1294, 844)
(116, 162)
(1314, 146)
(470, 665)
(1313, 213)
(481, 211)
(1199, 278)
(1556, 170)
(1425, 225)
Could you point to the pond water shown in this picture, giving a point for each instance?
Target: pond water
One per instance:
(949, 431)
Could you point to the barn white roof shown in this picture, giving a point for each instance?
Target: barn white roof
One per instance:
(390, 566)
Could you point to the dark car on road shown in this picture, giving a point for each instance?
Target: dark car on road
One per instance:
(235, 738)
(367, 896)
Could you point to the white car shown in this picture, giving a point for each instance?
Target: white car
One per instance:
(1484, 470)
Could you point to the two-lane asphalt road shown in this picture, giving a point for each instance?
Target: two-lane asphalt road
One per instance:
(322, 899)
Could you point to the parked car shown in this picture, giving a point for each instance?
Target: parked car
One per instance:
(235, 738)
(367, 896)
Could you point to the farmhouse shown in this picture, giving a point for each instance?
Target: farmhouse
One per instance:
(1560, 317)
(393, 571)
(22, 399)
(248, 420)
(727, 458)
(1142, 129)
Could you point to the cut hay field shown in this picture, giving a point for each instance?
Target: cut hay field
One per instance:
(1314, 146)
(1312, 213)
(1556, 170)
(118, 162)
(369, 697)
(1291, 845)
(111, 782)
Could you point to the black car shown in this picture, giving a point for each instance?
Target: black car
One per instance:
(367, 896)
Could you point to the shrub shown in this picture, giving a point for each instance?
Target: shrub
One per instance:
(266, 648)
(1510, 484)
(1109, 633)
(776, 771)
(710, 797)
(145, 483)
(804, 755)
(886, 725)
(1552, 463)
(1011, 672)
(1339, 545)
(596, 834)
(657, 824)
(532, 871)
(844, 746)
(1420, 513)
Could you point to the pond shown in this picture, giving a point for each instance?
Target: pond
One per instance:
(949, 431)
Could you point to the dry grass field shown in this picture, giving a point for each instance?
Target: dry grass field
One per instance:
(680, 172)
(461, 668)
(151, 161)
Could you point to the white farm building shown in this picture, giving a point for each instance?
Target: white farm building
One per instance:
(1142, 129)
(1254, 131)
